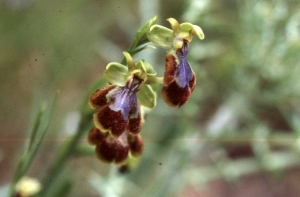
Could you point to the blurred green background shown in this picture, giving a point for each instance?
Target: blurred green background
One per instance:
(237, 136)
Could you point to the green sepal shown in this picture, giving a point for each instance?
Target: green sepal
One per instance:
(161, 36)
(146, 67)
(192, 29)
(116, 73)
(146, 96)
(149, 69)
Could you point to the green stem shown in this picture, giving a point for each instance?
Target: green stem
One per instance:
(63, 155)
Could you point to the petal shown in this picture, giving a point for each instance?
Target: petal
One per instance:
(116, 73)
(198, 31)
(193, 29)
(146, 96)
(170, 68)
(98, 98)
(161, 36)
(136, 145)
(95, 136)
(174, 95)
(109, 120)
(130, 62)
(135, 124)
(174, 24)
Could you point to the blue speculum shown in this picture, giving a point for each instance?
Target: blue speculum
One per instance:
(184, 73)
(124, 98)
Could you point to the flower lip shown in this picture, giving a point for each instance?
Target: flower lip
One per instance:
(179, 78)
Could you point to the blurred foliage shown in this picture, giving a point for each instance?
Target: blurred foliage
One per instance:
(242, 118)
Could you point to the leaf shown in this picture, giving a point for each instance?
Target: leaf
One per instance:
(140, 36)
(37, 135)
(36, 126)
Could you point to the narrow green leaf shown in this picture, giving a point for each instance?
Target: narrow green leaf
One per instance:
(140, 36)
(38, 140)
(37, 135)
(36, 125)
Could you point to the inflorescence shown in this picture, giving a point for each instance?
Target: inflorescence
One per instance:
(121, 104)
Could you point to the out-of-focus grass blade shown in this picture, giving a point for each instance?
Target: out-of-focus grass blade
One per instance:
(37, 134)
(85, 150)
(36, 125)
(62, 187)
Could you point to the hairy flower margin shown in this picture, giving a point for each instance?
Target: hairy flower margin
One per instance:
(120, 104)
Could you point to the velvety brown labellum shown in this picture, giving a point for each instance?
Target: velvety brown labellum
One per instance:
(176, 96)
(122, 155)
(135, 125)
(95, 136)
(136, 145)
(111, 150)
(98, 98)
(172, 94)
(107, 150)
(109, 120)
